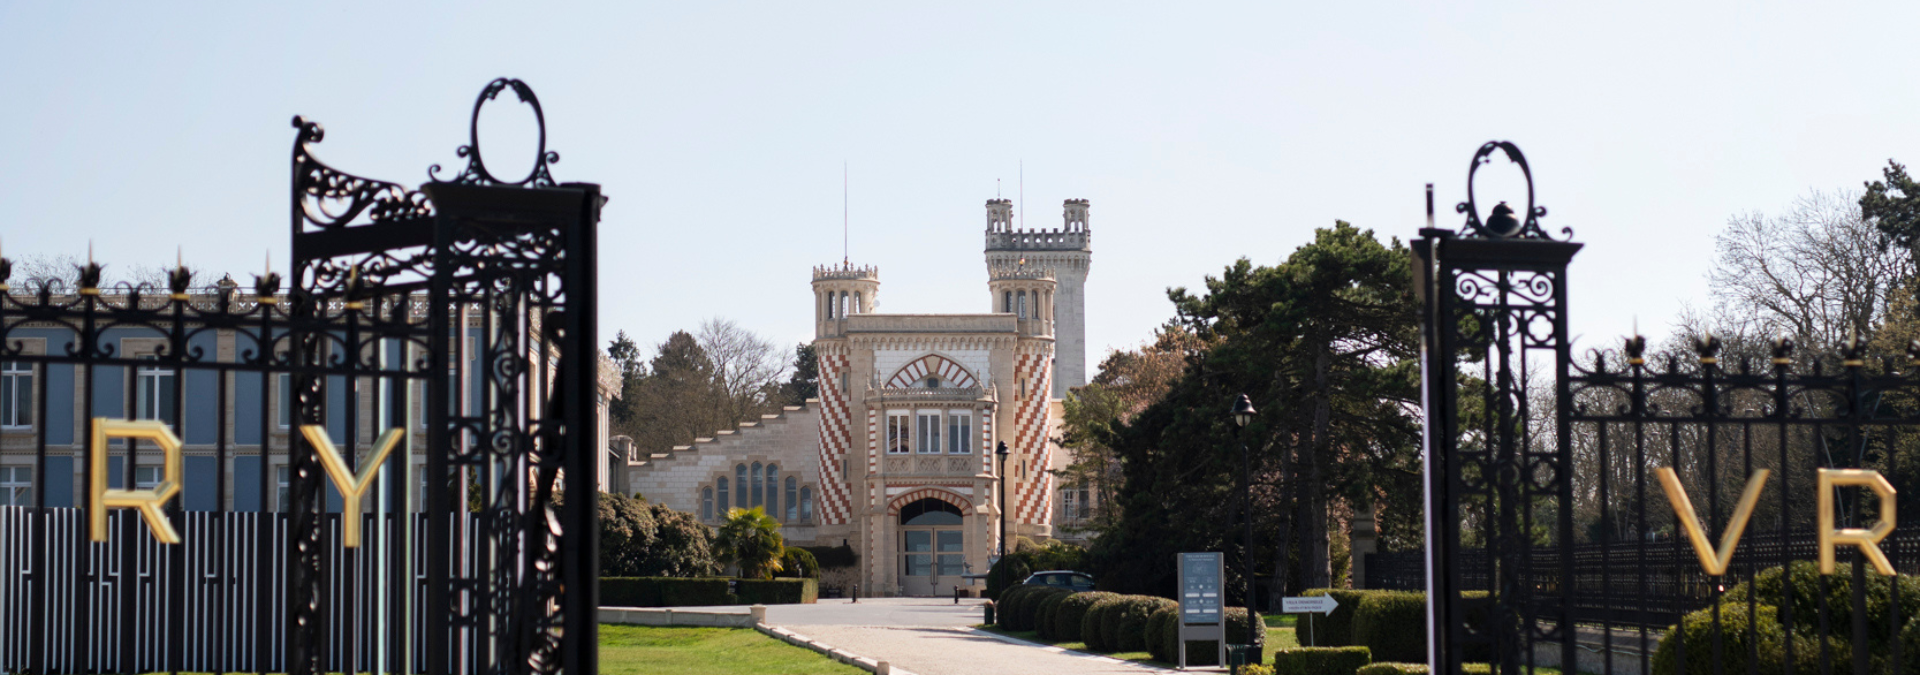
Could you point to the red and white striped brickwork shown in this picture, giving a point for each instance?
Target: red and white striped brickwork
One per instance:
(1030, 433)
(836, 439)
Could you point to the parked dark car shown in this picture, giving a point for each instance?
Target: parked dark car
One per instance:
(1076, 581)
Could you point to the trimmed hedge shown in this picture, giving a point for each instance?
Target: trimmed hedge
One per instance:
(1093, 625)
(1043, 615)
(1321, 660)
(1027, 612)
(704, 591)
(1334, 629)
(1003, 607)
(1072, 611)
(1124, 628)
(778, 591)
(1166, 634)
(1393, 625)
(1393, 668)
(1257, 669)
(664, 592)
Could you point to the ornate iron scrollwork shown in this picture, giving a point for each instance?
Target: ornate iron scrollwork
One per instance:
(1503, 222)
(331, 199)
(476, 171)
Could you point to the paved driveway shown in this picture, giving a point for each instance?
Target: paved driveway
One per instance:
(929, 636)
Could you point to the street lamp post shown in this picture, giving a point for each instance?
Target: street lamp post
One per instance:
(1243, 414)
(1002, 453)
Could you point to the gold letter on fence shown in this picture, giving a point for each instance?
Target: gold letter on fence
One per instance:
(1867, 540)
(353, 487)
(148, 501)
(1715, 563)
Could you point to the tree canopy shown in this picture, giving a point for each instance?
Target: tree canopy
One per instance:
(1325, 344)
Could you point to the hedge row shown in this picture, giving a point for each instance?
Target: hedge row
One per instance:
(1393, 668)
(1321, 660)
(704, 591)
(1163, 636)
(1019, 606)
(1393, 624)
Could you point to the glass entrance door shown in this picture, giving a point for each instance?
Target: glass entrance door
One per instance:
(932, 560)
(932, 548)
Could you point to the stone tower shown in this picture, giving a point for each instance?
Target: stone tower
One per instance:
(1068, 253)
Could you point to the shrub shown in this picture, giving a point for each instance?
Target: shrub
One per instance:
(1067, 618)
(682, 547)
(1205, 653)
(1257, 669)
(626, 529)
(1392, 668)
(1321, 660)
(779, 591)
(1043, 616)
(1124, 628)
(1055, 555)
(1093, 625)
(1007, 573)
(1027, 613)
(1163, 628)
(798, 563)
(1334, 629)
(1772, 594)
(1003, 607)
(831, 557)
(1393, 625)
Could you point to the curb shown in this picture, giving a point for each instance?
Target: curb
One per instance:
(837, 654)
(1058, 650)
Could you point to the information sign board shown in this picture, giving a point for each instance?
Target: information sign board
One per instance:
(1200, 587)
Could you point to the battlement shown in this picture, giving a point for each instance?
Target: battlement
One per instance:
(1040, 240)
(1014, 272)
(848, 272)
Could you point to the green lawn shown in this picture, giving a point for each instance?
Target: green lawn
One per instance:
(645, 650)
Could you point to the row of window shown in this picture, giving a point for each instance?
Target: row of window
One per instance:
(1015, 302)
(154, 394)
(921, 431)
(757, 485)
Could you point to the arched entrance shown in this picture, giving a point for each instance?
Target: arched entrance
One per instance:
(932, 547)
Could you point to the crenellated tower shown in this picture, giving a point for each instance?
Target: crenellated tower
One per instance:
(1067, 254)
(839, 292)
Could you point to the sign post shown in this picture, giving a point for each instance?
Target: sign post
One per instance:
(1201, 616)
(1319, 604)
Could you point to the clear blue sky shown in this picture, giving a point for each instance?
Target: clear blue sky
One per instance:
(1202, 132)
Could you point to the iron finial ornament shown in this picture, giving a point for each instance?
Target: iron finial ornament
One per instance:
(1707, 346)
(1503, 222)
(476, 171)
(1783, 350)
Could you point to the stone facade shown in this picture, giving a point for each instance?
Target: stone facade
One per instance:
(896, 457)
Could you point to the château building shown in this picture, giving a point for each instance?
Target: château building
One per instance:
(896, 457)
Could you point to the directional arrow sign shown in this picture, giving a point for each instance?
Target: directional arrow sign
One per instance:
(1322, 604)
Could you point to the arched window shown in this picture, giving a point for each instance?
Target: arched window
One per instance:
(706, 501)
(930, 512)
(829, 304)
(793, 498)
(723, 495)
(740, 481)
(773, 490)
(1006, 302)
(806, 504)
(843, 304)
(1022, 296)
(757, 492)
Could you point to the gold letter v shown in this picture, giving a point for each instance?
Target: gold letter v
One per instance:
(1715, 563)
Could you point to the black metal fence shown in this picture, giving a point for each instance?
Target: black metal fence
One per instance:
(192, 448)
(1581, 501)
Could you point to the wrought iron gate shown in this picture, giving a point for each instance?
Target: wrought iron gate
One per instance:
(1676, 511)
(360, 472)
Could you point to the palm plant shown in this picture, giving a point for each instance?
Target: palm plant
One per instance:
(751, 539)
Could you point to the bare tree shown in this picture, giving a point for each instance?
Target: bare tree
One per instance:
(1816, 272)
(747, 369)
